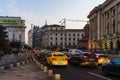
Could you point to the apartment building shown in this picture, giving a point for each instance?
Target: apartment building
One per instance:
(56, 36)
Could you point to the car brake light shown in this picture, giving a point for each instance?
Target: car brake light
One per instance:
(97, 57)
(65, 59)
(53, 58)
(85, 57)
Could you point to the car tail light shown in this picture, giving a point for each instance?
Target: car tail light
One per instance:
(97, 57)
(85, 57)
(65, 59)
(53, 58)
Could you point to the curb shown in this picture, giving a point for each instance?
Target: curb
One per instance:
(49, 73)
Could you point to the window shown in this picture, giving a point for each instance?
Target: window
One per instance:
(69, 38)
(56, 34)
(69, 34)
(107, 28)
(61, 28)
(73, 38)
(73, 44)
(61, 44)
(61, 38)
(113, 26)
(56, 28)
(82, 35)
(51, 43)
(77, 34)
(51, 38)
(56, 38)
(73, 34)
(69, 44)
(107, 15)
(113, 12)
(50, 33)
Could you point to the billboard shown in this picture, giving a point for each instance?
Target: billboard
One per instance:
(9, 21)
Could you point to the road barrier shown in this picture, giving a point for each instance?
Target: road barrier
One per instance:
(50, 73)
(11, 66)
(45, 70)
(2, 69)
(57, 76)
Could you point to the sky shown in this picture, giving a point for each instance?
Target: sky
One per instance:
(38, 11)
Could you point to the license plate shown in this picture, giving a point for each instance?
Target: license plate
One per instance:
(91, 59)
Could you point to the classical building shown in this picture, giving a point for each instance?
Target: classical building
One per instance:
(105, 26)
(15, 27)
(56, 36)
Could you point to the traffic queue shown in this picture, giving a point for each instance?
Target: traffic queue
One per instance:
(81, 59)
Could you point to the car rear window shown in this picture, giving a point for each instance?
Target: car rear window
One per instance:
(58, 55)
(89, 55)
(105, 56)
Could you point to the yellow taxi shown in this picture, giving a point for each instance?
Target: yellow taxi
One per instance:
(102, 58)
(57, 58)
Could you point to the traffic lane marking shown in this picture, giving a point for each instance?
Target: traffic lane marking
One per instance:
(99, 76)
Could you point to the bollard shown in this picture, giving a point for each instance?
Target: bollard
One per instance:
(50, 73)
(2, 69)
(57, 76)
(18, 64)
(45, 69)
(41, 66)
(27, 61)
(11, 66)
(23, 62)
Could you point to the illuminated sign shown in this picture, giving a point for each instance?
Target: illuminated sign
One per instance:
(8, 21)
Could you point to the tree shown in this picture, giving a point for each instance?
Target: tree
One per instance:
(4, 44)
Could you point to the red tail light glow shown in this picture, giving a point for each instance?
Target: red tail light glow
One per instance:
(54, 59)
(85, 57)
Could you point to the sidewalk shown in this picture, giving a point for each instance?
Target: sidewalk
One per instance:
(24, 72)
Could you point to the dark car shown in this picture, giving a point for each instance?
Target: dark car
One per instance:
(43, 56)
(113, 67)
(85, 59)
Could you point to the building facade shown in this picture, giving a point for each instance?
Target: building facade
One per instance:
(105, 26)
(83, 43)
(15, 27)
(56, 36)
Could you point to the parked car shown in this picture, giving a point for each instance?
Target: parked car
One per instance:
(113, 67)
(85, 59)
(57, 58)
(102, 58)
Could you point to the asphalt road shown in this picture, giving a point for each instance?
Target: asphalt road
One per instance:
(74, 72)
